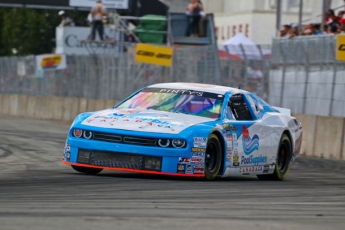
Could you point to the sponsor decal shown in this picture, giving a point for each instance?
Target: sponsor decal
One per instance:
(199, 145)
(228, 157)
(182, 91)
(198, 165)
(266, 169)
(200, 139)
(200, 142)
(251, 160)
(235, 151)
(201, 150)
(229, 144)
(230, 127)
(234, 136)
(67, 147)
(189, 169)
(67, 156)
(220, 126)
(198, 159)
(235, 144)
(235, 161)
(136, 119)
(198, 154)
(183, 160)
(250, 144)
(255, 169)
(199, 170)
(180, 168)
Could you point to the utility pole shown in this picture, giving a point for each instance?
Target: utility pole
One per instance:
(323, 17)
(279, 16)
(300, 17)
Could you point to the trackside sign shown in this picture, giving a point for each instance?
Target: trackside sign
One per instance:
(156, 55)
(340, 52)
(51, 62)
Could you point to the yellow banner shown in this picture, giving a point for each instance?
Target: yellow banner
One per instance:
(340, 52)
(156, 55)
(51, 61)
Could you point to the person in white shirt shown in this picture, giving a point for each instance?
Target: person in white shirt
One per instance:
(98, 11)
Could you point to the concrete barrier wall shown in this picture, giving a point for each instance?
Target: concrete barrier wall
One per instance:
(49, 107)
(322, 136)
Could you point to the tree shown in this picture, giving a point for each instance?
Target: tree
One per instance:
(29, 31)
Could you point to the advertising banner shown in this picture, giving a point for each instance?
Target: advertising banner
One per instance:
(156, 55)
(111, 4)
(340, 52)
(51, 62)
(68, 41)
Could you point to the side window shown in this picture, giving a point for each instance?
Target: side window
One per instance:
(239, 107)
(228, 113)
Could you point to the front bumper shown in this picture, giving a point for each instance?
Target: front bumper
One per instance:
(132, 158)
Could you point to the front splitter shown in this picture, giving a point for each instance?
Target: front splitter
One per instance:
(134, 170)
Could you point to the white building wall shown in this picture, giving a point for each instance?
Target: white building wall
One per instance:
(256, 18)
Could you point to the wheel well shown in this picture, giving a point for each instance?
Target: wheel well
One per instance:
(289, 136)
(222, 145)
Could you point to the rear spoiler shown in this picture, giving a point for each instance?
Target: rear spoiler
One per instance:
(283, 111)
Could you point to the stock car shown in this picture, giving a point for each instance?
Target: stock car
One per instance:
(186, 129)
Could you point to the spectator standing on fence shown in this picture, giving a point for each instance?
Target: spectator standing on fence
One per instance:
(194, 9)
(98, 11)
(65, 20)
(202, 20)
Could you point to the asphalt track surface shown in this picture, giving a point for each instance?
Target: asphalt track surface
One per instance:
(38, 192)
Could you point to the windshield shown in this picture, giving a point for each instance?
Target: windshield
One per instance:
(176, 101)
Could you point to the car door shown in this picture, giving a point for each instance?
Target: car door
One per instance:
(245, 136)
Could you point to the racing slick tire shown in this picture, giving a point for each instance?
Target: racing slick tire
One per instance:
(283, 160)
(213, 157)
(89, 171)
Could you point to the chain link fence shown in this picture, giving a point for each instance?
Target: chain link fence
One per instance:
(115, 76)
(306, 77)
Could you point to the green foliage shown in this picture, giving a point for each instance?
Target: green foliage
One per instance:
(29, 31)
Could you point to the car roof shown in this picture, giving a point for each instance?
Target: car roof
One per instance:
(198, 87)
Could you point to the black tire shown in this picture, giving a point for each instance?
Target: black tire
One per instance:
(283, 160)
(213, 157)
(89, 171)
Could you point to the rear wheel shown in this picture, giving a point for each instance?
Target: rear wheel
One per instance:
(89, 171)
(213, 157)
(282, 165)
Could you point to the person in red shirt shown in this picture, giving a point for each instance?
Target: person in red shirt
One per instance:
(330, 17)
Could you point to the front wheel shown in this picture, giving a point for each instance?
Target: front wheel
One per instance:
(282, 165)
(89, 171)
(213, 157)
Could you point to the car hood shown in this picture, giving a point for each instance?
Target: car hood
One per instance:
(143, 120)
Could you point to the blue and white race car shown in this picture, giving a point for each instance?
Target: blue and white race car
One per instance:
(186, 129)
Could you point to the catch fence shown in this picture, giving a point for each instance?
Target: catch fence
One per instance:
(115, 76)
(306, 77)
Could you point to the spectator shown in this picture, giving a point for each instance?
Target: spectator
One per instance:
(65, 20)
(330, 17)
(340, 14)
(194, 9)
(315, 30)
(342, 25)
(202, 20)
(284, 33)
(98, 11)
